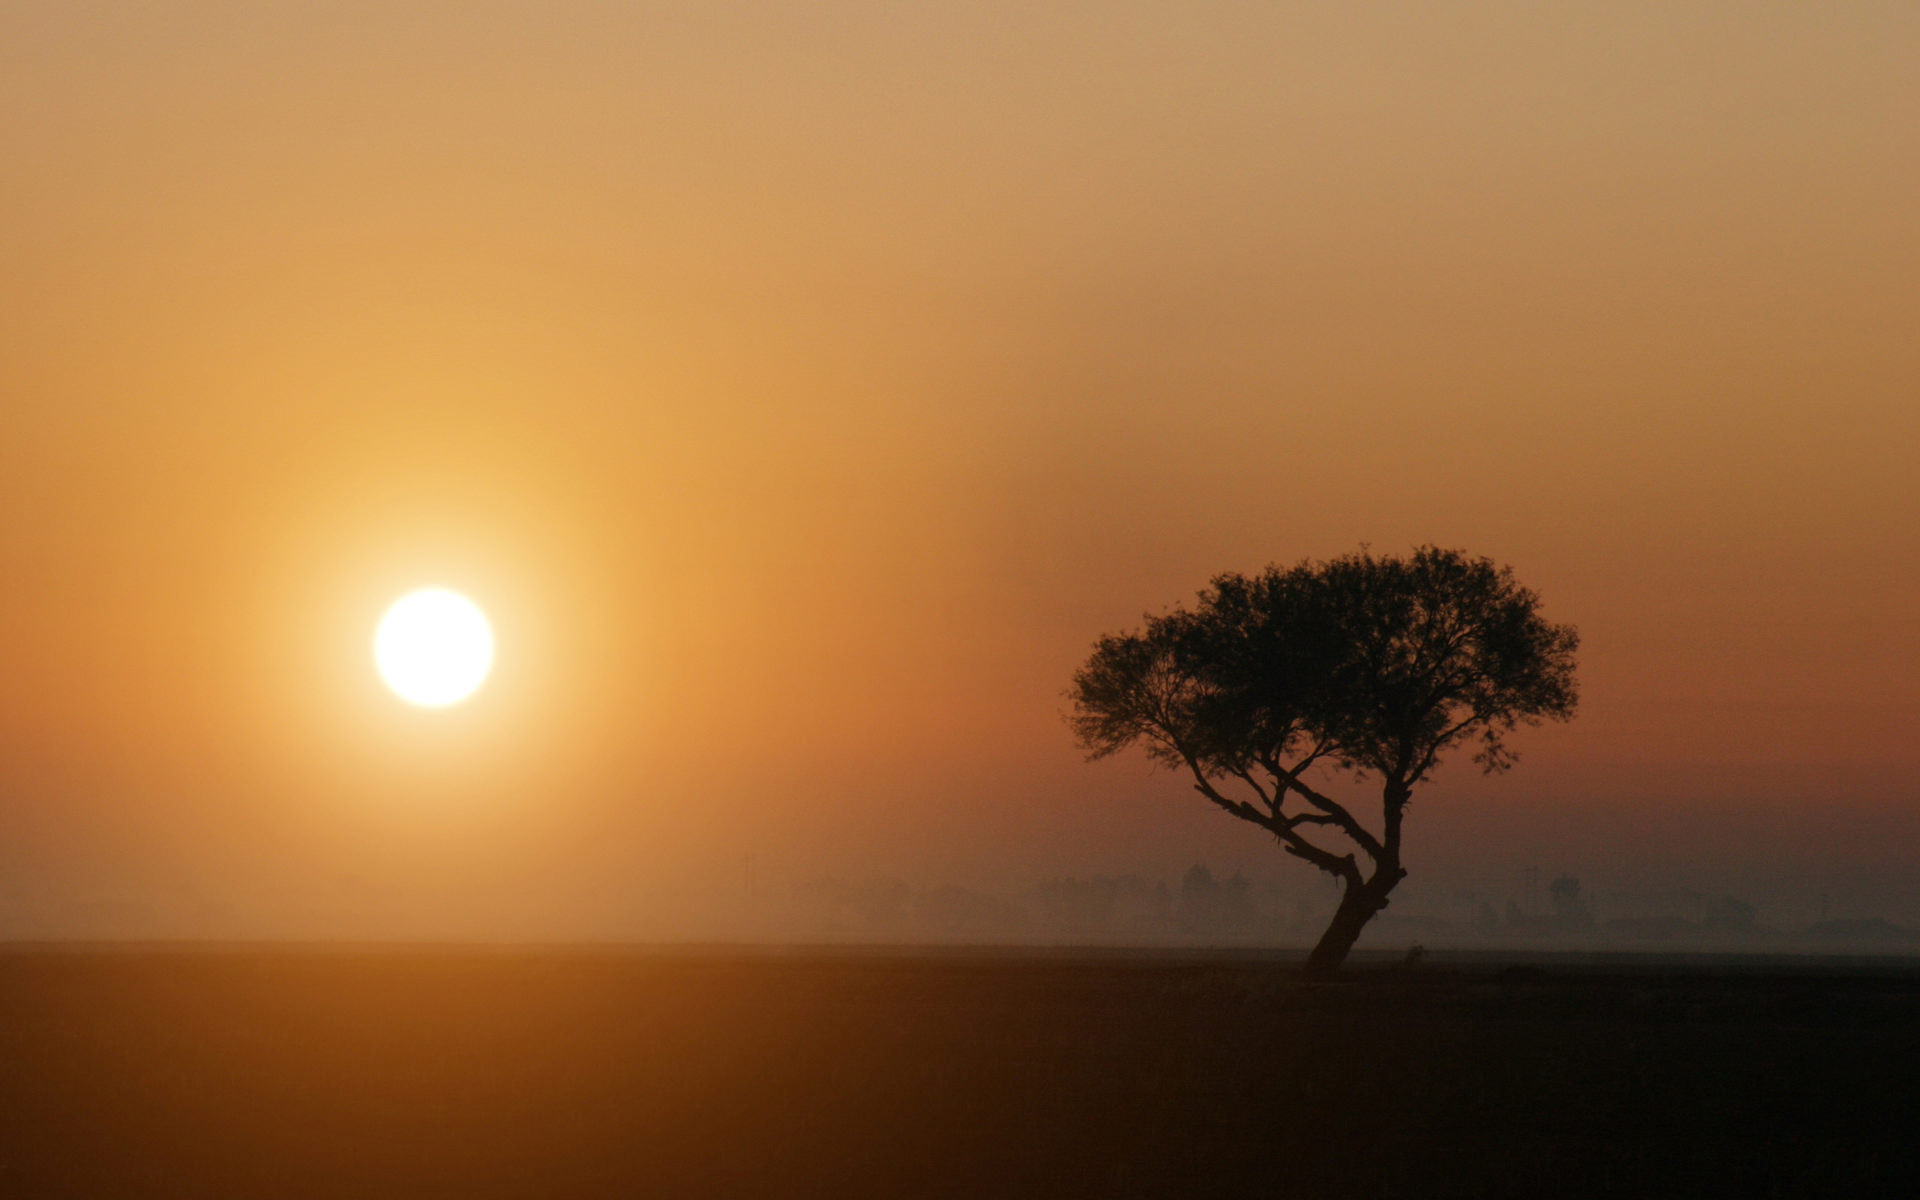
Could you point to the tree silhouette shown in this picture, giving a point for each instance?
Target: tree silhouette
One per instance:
(1370, 666)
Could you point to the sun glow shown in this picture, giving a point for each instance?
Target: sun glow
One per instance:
(433, 647)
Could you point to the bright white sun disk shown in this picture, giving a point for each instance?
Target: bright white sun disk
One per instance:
(434, 647)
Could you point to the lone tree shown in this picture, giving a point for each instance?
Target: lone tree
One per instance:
(1372, 666)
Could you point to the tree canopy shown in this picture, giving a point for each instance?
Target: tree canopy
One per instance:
(1373, 666)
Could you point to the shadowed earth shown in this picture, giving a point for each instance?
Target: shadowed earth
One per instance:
(417, 1073)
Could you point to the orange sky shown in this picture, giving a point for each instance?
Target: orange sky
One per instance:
(802, 388)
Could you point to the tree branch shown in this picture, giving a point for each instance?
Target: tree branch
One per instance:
(1309, 818)
(1348, 824)
(1239, 808)
(1438, 744)
(1272, 802)
(1290, 839)
(1341, 865)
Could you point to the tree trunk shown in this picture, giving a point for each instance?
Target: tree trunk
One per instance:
(1357, 906)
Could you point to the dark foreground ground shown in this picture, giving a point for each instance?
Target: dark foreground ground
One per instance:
(555, 1074)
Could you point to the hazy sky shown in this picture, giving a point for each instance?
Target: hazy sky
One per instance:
(802, 388)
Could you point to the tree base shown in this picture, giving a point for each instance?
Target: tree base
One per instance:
(1357, 907)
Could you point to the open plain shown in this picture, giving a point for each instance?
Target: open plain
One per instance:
(465, 1072)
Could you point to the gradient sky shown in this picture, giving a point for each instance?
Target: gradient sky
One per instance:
(803, 387)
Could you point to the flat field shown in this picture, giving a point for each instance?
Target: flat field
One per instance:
(556, 1073)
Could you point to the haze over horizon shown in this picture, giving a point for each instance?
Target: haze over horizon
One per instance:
(802, 388)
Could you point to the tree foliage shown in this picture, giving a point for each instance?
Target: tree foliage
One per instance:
(1373, 666)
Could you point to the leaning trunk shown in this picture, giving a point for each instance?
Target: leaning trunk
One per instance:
(1358, 903)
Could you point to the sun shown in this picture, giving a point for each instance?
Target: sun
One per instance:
(433, 647)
